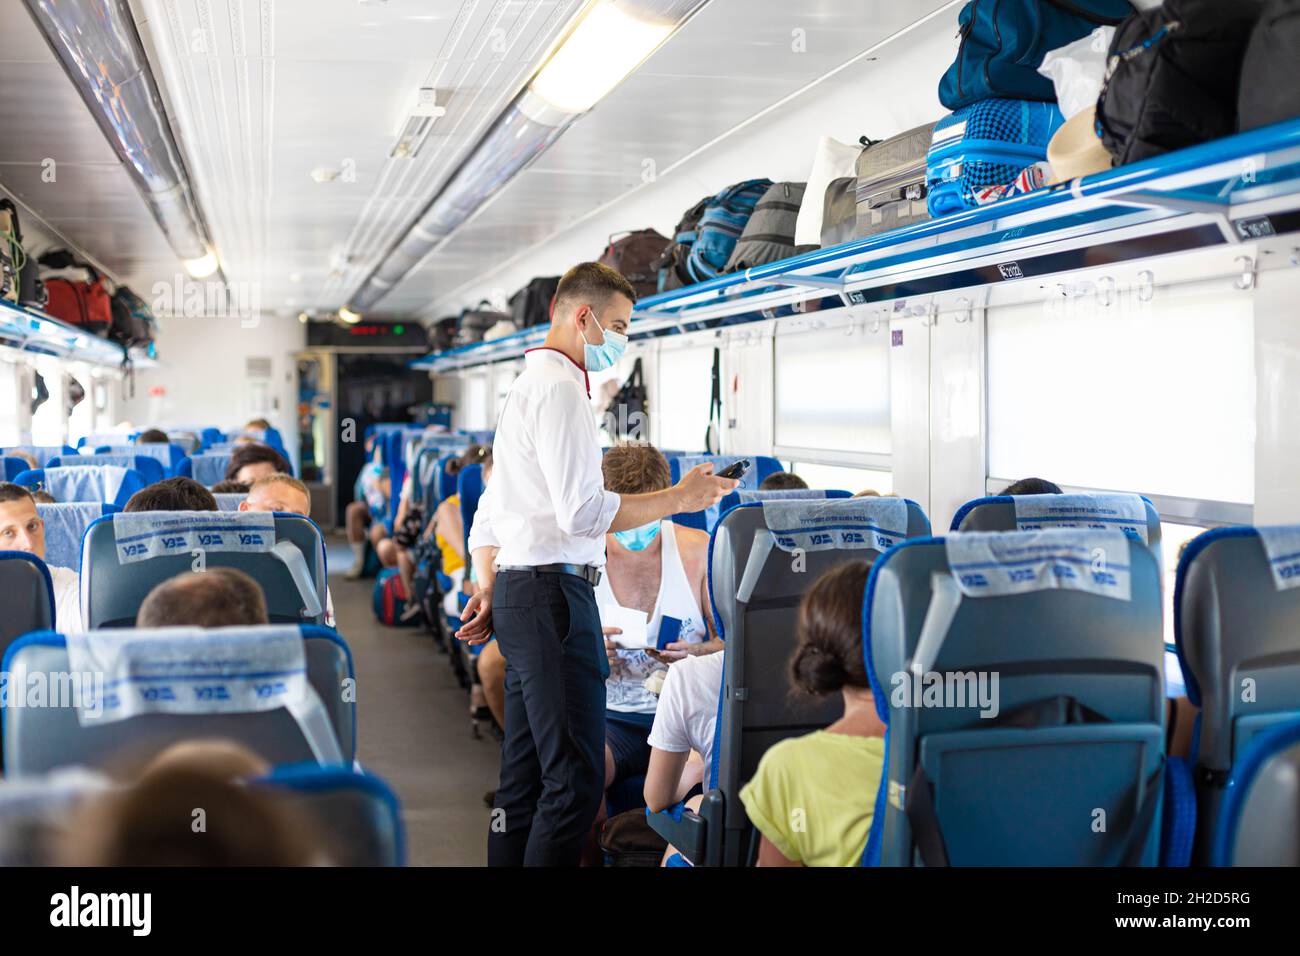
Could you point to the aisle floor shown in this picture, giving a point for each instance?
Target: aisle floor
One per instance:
(414, 730)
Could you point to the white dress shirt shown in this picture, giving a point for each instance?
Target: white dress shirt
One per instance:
(67, 600)
(546, 502)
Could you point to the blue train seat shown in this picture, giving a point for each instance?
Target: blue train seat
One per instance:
(704, 520)
(755, 588)
(29, 595)
(150, 469)
(1132, 514)
(125, 555)
(168, 455)
(1236, 627)
(65, 527)
(280, 690)
(207, 468)
(1259, 817)
(110, 484)
(230, 501)
(42, 453)
(357, 814)
(1061, 762)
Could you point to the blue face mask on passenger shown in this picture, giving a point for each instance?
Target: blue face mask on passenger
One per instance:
(600, 357)
(638, 539)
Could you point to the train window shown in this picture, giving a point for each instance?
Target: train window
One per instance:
(1172, 538)
(832, 389)
(838, 476)
(1155, 397)
(10, 426)
(475, 401)
(680, 409)
(49, 420)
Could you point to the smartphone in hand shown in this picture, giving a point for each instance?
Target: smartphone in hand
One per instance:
(735, 470)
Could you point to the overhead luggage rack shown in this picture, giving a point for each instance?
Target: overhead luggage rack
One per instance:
(29, 331)
(1226, 192)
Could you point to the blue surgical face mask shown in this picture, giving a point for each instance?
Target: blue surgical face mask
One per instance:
(638, 539)
(600, 357)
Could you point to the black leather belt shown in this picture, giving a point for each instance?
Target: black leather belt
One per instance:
(585, 571)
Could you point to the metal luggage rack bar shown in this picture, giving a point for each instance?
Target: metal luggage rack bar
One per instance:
(27, 330)
(1228, 191)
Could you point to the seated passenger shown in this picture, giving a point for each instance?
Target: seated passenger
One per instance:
(782, 481)
(659, 569)
(286, 494)
(224, 487)
(151, 823)
(813, 797)
(278, 492)
(217, 597)
(21, 529)
(226, 758)
(172, 494)
(367, 510)
(681, 740)
(152, 436)
(255, 460)
(1031, 486)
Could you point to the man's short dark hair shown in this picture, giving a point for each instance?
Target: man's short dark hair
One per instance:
(217, 597)
(172, 494)
(252, 454)
(231, 487)
(782, 481)
(11, 492)
(1031, 486)
(592, 283)
(152, 436)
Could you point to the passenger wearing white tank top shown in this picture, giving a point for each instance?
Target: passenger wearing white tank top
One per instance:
(659, 569)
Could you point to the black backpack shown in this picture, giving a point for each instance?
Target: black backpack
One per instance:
(1269, 92)
(1172, 77)
(635, 255)
(531, 305)
(630, 407)
(131, 325)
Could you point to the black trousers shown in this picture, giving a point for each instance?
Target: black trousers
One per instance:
(553, 757)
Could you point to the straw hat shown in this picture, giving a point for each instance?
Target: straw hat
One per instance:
(1076, 150)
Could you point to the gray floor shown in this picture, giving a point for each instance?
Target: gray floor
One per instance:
(414, 730)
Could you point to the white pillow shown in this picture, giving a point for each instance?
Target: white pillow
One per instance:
(833, 161)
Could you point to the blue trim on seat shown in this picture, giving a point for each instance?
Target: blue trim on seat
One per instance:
(1264, 745)
(49, 586)
(876, 835)
(1178, 829)
(1195, 547)
(313, 778)
(877, 691)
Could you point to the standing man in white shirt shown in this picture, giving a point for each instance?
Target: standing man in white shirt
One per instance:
(537, 545)
(22, 529)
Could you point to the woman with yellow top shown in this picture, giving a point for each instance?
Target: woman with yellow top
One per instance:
(812, 797)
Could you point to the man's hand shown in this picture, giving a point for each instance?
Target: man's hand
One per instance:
(677, 650)
(478, 618)
(700, 488)
(612, 649)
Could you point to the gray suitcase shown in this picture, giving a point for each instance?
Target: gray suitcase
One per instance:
(891, 182)
(840, 212)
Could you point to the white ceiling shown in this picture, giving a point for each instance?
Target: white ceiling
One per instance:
(261, 92)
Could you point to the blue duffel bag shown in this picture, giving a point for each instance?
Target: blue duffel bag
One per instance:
(1003, 43)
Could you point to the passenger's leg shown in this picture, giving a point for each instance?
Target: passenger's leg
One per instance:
(356, 515)
(406, 571)
(492, 675)
(387, 550)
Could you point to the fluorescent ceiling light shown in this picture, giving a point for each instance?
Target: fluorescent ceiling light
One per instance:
(202, 267)
(417, 127)
(348, 316)
(606, 46)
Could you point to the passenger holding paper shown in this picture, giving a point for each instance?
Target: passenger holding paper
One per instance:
(655, 576)
(541, 524)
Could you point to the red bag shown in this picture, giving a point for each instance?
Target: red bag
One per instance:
(84, 305)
